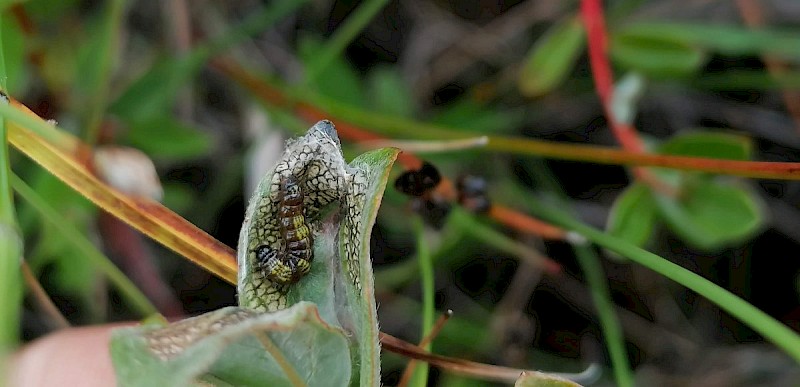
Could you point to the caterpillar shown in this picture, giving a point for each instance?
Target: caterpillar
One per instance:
(294, 260)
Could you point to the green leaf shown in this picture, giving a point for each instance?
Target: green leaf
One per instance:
(712, 215)
(389, 93)
(471, 116)
(738, 79)
(374, 167)
(541, 379)
(165, 137)
(709, 144)
(14, 44)
(345, 33)
(725, 39)
(234, 346)
(338, 79)
(154, 93)
(550, 61)
(98, 52)
(633, 215)
(656, 56)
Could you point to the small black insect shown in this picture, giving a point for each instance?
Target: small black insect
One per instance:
(472, 193)
(418, 182)
(294, 260)
(421, 184)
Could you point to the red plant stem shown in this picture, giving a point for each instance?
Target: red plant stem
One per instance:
(597, 37)
(525, 146)
(625, 133)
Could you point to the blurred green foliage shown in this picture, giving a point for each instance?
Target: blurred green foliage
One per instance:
(109, 65)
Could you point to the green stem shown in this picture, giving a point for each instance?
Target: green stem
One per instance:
(100, 69)
(342, 37)
(127, 289)
(609, 323)
(10, 239)
(771, 329)
(426, 276)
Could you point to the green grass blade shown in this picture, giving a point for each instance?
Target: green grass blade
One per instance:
(426, 276)
(609, 323)
(126, 288)
(343, 36)
(779, 334)
(98, 67)
(10, 240)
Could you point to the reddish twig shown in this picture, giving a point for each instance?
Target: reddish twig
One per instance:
(625, 133)
(597, 37)
(42, 299)
(412, 364)
(521, 222)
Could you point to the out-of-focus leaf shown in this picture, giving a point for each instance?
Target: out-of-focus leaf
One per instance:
(709, 144)
(725, 39)
(178, 198)
(97, 54)
(165, 137)
(154, 93)
(389, 93)
(738, 79)
(550, 60)
(49, 10)
(633, 215)
(72, 272)
(470, 116)
(712, 215)
(709, 214)
(656, 56)
(59, 63)
(14, 43)
(338, 79)
(6, 3)
(541, 379)
(235, 346)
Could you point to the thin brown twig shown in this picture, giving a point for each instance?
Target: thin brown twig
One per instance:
(466, 367)
(42, 299)
(509, 319)
(412, 364)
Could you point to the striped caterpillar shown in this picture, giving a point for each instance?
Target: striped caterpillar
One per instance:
(294, 260)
